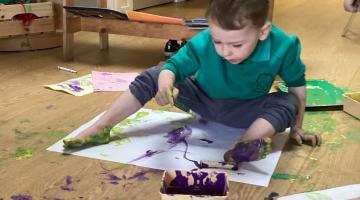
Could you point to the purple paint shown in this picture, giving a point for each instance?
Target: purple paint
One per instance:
(139, 176)
(49, 107)
(271, 196)
(148, 153)
(207, 141)
(196, 163)
(68, 182)
(249, 151)
(21, 197)
(203, 184)
(178, 135)
(174, 138)
(75, 88)
(113, 179)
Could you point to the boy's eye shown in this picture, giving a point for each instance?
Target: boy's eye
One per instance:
(237, 45)
(216, 42)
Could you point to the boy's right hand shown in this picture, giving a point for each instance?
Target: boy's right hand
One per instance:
(167, 93)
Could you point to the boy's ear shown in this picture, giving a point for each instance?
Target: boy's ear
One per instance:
(265, 30)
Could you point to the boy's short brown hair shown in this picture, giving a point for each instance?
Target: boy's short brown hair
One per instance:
(233, 14)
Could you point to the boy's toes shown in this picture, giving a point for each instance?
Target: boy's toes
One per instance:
(228, 156)
(70, 143)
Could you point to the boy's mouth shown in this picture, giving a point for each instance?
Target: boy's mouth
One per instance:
(234, 61)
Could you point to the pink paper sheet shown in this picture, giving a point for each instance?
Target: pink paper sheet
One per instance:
(109, 81)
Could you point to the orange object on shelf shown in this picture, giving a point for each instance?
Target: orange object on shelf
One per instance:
(145, 17)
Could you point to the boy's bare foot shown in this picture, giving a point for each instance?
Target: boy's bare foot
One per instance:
(246, 151)
(102, 137)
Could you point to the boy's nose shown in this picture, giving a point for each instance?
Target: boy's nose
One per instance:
(225, 51)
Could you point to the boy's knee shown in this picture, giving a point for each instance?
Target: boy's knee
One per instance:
(145, 86)
(281, 111)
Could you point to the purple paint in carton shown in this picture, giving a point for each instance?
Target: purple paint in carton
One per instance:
(199, 184)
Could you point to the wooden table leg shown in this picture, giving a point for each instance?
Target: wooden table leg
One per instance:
(271, 10)
(103, 34)
(68, 37)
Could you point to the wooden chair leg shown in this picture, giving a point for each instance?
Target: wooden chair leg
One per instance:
(348, 24)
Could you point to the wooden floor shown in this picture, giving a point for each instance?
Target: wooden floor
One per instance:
(33, 118)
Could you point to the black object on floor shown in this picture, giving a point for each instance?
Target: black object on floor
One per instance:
(171, 47)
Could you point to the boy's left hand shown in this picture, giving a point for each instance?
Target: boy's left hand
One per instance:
(303, 137)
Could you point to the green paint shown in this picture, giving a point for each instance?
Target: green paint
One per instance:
(290, 177)
(162, 109)
(127, 122)
(23, 136)
(353, 136)
(312, 187)
(117, 130)
(141, 115)
(321, 93)
(182, 122)
(121, 141)
(334, 146)
(103, 137)
(283, 176)
(104, 155)
(23, 153)
(319, 122)
(24, 121)
(318, 196)
(57, 133)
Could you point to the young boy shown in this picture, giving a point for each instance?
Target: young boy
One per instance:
(224, 74)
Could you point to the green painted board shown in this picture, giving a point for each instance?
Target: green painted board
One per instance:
(321, 95)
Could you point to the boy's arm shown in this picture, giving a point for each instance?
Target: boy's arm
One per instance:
(300, 93)
(297, 132)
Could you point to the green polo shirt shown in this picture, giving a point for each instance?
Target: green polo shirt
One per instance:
(279, 55)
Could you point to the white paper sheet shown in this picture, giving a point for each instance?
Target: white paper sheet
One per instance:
(146, 131)
(340, 193)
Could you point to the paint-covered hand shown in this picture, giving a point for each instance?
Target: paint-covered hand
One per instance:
(246, 151)
(102, 137)
(166, 93)
(302, 137)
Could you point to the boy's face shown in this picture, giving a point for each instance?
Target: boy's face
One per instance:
(237, 45)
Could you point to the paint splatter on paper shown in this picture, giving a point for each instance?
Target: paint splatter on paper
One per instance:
(109, 81)
(78, 87)
(148, 133)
